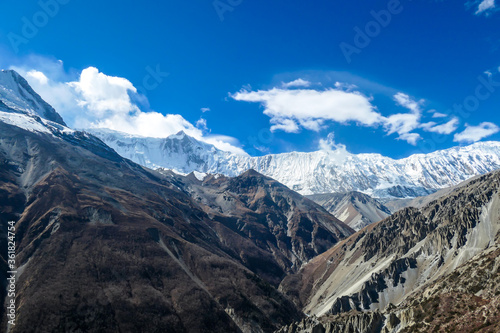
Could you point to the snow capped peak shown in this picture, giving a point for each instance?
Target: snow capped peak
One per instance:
(179, 135)
(9, 74)
(186, 139)
(17, 96)
(325, 171)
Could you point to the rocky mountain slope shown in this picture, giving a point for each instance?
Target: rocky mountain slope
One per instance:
(467, 300)
(389, 275)
(104, 244)
(332, 171)
(355, 209)
(291, 227)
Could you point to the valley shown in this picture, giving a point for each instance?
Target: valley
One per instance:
(123, 234)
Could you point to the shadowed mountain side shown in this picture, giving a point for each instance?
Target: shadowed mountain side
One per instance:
(106, 245)
(273, 217)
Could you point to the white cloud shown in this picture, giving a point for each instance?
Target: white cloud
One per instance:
(224, 142)
(202, 124)
(345, 86)
(205, 110)
(39, 76)
(296, 83)
(101, 93)
(476, 133)
(290, 110)
(338, 152)
(283, 124)
(439, 115)
(446, 128)
(404, 123)
(411, 138)
(485, 7)
(406, 101)
(95, 100)
(328, 143)
(148, 124)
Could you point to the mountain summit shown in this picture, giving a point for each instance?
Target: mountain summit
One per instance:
(17, 96)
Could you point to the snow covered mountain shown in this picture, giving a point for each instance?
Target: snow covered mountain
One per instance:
(331, 171)
(16, 96)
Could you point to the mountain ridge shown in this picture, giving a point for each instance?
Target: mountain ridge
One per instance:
(355, 209)
(17, 96)
(332, 171)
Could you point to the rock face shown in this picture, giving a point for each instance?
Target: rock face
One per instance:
(355, 322)
(445, 248)
(355, 209)
(333, 171)
(466, 300)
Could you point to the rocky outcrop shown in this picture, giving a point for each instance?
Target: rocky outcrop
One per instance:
(466, 300)
(386, 262)
(354, 322)
(376, 285)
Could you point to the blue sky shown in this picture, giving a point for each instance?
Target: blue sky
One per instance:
(275, 76)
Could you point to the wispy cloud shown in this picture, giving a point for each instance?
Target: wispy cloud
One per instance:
(411, 138)
(202, 124)
(407, 102)
(476, 133)
(439, 115)
(296, 83)
(485, 7)
(291, 110)
(404, 123)
(447, 128)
